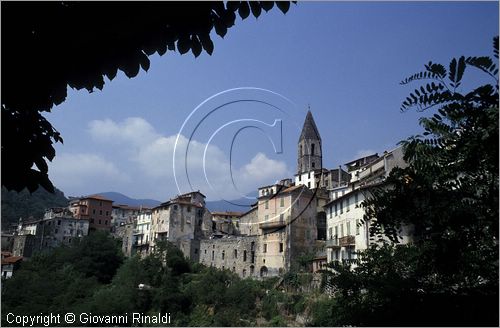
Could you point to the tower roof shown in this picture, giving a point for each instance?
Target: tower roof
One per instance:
(309, 130)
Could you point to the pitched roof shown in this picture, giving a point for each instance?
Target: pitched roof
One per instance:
(98, 197)
(11, 259)
(309, 130)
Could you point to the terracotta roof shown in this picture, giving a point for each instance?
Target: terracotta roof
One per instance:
(126, 207)
(98, 197)
(11, 259)
(192, 192)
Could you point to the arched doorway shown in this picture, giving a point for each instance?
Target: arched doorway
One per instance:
(263, 271)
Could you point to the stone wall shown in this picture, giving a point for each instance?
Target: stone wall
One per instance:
(237, 254)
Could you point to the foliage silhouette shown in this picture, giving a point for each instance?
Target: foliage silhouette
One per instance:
(50, 46)
(449, 196)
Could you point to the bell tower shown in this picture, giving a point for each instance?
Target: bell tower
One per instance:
(309, 152)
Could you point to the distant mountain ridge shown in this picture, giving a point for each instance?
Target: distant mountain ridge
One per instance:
(121, 199)
(236, 205)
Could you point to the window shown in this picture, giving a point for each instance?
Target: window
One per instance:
(106, 222)
(175, 207)
(301, 152)
(244, 256)
(265, 248)
(58, 222)
(336, 194)
(342, 230)
(335, 209)
(93, 211)
(100, 203)
(100, 212)
(189, 209)
(308, 185)
(205, 251)
(355, 198)
(196, 250)
(91, 220)
(57, 230)
(330, 232)
(107, 213)
(282, 201)
(281, 247)
(312, 150)
(331, 210)
(266, 217)
(223, 254)
(357, 226)
(213, 255)
(300, 177)
(347, 201)
(100, 222)
(309, 175)
(282, 217)
(267, 204)
(341, 207)
(235, 253)
(312, 165)
(348, 226)
(336, 232)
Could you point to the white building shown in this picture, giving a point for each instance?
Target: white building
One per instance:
(142, 232)
(346, 231)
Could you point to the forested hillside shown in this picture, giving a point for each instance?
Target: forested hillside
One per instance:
(93, 277)
(24, 204)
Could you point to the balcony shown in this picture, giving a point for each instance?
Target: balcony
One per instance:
(272, 225)
(347, 241)
(332, 243)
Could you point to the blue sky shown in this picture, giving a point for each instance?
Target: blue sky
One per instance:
(344, 59)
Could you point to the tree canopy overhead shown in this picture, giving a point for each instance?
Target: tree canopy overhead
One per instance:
(49, 46)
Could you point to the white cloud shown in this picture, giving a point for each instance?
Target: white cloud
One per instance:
(85, 173)
(147, 156)
(133, 130)
(262, 169)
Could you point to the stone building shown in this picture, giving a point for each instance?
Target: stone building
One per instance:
(235, 253)
(226, 223)
(122, 214)
(95, 208)
(58, 227)
(248, 225)
(182, 221)
(125, 232)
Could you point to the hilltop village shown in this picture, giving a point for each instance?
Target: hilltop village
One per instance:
(313, 218)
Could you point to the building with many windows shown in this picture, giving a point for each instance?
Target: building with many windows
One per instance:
(95, 208)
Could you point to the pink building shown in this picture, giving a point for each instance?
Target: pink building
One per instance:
(96, 209)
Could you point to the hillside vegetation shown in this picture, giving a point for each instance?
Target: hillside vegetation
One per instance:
(24, 205)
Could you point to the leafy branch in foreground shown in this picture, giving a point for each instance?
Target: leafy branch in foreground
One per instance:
(448, 194)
